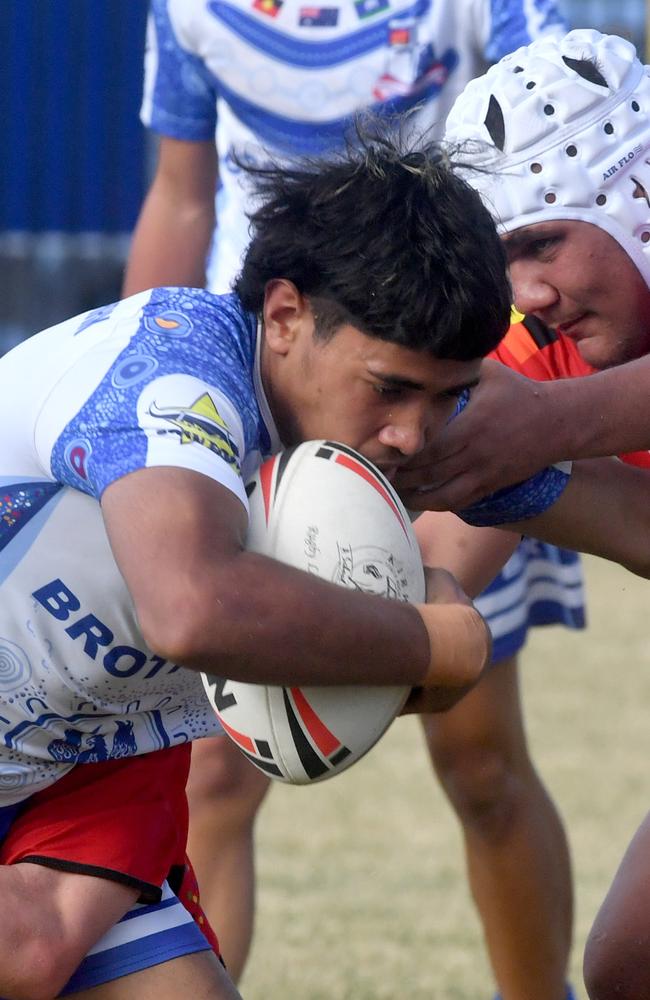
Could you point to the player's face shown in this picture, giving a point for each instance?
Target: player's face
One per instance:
(386, 401)
(577, 278)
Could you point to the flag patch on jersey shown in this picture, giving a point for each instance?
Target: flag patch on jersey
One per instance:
(401, 34)
(318, 17)
(269, 7)
(366, 8)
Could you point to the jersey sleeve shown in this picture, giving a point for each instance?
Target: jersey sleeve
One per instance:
(170, 387)
(513, 23)
(180, 95)
(522, 501)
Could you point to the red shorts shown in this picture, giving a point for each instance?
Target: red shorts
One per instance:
(125, 820)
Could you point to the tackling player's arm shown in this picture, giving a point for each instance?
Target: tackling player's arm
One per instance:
(204, 601)
(604, 414)
(604, 510)
(172, 237)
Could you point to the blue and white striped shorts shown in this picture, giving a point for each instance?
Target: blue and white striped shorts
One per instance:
(150, 933)
(539, 585)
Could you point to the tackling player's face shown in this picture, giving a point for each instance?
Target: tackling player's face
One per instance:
(575, 277)
(385, 400)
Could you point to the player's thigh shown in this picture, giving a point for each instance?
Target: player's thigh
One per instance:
(200, 976)
(220, 773)
(488, 720)
(65, 911)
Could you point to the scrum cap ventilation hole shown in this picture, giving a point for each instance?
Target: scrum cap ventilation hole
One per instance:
(639, 191)
(586, 69)
(495, 124)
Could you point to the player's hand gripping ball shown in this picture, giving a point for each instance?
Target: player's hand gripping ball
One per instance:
(325, 509)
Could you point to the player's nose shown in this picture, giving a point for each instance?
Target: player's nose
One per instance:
(532, 292)
(408, 436)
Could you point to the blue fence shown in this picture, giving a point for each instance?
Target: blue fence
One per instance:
(73, 169)
(72, 146)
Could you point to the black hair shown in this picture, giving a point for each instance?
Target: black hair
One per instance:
(386, 236)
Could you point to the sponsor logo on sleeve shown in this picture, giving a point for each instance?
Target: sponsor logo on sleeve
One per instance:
(200, 424)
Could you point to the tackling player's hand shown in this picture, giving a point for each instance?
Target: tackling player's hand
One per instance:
(459, 641)
(507, 432)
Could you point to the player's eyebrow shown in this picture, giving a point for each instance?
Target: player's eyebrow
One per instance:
(398, 381)
(513, 242)
(520, 240)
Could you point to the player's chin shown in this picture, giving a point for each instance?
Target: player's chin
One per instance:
(604, 352)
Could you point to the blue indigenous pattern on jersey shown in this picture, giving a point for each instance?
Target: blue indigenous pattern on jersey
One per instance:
(520, 502)
(180, 332)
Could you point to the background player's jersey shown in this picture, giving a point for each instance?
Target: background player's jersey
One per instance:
(164, 378)
(169, 377)
(283, 77)
(540, 353)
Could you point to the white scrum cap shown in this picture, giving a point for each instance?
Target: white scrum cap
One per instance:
(560, 129)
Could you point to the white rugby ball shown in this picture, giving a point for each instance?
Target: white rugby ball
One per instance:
(325, 509)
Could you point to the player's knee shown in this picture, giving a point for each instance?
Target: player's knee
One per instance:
(221, 779)
(481, 783)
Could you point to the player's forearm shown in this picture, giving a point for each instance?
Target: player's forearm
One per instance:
(473, 555)
(269, 623)
(604, 510)
(277, 625)
(605, 414)
(170, 245)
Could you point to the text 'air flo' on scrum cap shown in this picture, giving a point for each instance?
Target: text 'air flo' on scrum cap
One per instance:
(561, 130)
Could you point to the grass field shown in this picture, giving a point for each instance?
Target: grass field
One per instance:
(362, 892)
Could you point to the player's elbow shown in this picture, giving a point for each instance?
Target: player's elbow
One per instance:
(198, 628)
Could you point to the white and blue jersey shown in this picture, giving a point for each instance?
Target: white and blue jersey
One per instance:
(284, 79)
(169, 377)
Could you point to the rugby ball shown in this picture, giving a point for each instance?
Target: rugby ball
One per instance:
(325, 509)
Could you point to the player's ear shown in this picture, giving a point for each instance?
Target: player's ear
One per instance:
(286, 314)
